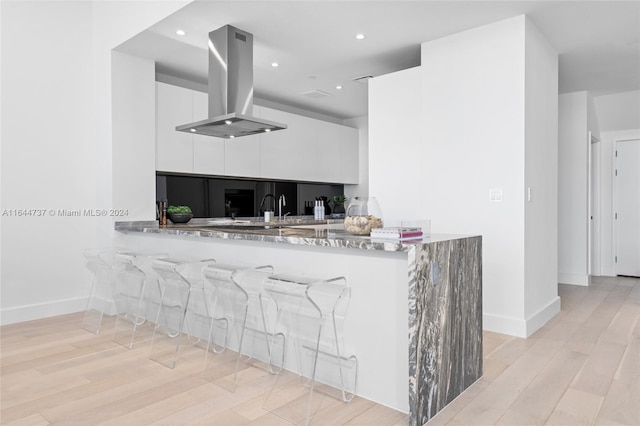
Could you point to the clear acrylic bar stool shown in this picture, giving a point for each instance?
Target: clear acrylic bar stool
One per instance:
(239, 327)
(311, 314)
(136, 294)
(100, 301)
(184, 307)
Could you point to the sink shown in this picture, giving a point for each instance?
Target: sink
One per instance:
(258, 229)
(245, 227)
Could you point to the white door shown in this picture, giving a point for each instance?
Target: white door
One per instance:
(628, 207)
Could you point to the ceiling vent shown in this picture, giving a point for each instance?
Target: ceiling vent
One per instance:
(316, 94)
(364, 80)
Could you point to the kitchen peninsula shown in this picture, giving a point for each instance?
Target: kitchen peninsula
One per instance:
(415, 317)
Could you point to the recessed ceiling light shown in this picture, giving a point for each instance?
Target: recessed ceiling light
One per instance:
(275, 64)
(231, 136)
(193, 130)
(360, 36)
(228, 122)
(339, 87)
(267, 130)
(181, 32)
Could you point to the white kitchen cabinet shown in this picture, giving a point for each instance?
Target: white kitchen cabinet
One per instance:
(290, 153)
(242, 155)
(337, 153)
(174, 150)
(327, 147)
(208, 151)
(308, 150)
(349, 155)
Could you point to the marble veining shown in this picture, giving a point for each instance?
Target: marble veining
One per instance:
(445, 324)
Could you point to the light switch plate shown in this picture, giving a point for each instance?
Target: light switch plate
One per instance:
(495, 195)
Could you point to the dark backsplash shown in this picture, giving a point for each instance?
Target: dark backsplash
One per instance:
(219, 197)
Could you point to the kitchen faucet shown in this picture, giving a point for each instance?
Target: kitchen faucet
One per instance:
(263, 200)
(281, 202)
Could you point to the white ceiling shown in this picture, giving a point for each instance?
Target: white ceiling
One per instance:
(314, 42)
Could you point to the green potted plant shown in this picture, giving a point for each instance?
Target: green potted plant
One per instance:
(338, 203)
(179, 214)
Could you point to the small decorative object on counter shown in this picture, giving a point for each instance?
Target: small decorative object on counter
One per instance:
(397, 233)
(325, 206)
(363, 215)
(338, 204)
(318, 210)
(309, 208)
(179, 214)
(162, 213)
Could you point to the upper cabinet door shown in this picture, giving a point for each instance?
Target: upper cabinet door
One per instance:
(208, 151)
(290, 153)
(337, 153)
(242, 155)
(349, 155)
(174, 150)
(327, 152)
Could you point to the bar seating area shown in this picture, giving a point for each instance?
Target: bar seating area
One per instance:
(241, 317)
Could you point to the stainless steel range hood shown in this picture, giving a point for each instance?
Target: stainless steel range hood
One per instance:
(231, 88)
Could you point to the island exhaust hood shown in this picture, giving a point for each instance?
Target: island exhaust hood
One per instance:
(231, 88)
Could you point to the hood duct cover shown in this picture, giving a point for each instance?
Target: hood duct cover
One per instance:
(231, 88)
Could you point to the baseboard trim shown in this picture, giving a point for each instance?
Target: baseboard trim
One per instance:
(540, 318)
(505, 325)
(42, 310)
(520, 327)
(574, 279)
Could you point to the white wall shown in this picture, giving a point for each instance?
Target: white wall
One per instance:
(134, 142)
(619, 111)
(470, 137)
(572, 189)
(48, 156)
(576, 118)
(395, 145)
(474, 128)
(541, 177)
(56, 144)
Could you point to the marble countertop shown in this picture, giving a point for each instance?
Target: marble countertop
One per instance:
(297, 230)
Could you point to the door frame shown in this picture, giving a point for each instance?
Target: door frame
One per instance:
(614, 200)
(593, 211)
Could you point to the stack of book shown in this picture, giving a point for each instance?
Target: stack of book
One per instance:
(396, 233)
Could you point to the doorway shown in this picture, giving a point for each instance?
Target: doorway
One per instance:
(593, 207)
(627, 207)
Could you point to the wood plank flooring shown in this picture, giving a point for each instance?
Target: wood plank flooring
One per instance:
(581, 368)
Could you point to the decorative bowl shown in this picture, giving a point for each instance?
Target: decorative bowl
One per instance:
(361, 225)
(180, 217)
(363, 215)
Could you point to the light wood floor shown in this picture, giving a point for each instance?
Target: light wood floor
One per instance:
(582, 368)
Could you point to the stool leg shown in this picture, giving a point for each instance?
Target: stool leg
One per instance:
(100, 298)
(275, 350)
(165, 343)
(129, 285)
